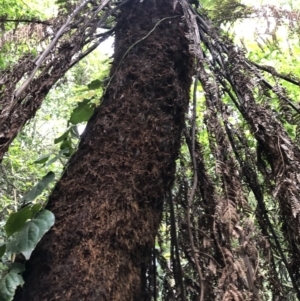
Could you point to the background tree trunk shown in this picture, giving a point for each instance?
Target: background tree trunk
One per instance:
(108, 203)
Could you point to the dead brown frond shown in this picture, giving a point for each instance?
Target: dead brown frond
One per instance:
(24, 86)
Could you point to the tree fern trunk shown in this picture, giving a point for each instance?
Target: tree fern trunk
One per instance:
(108, 203)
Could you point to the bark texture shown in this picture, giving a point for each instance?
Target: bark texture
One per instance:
(108, 203)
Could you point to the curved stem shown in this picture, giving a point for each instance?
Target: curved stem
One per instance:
(192, 194)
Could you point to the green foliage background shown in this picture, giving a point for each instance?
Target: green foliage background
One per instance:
(46, 143)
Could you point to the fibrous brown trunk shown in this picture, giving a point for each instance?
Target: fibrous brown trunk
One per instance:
(108, 203)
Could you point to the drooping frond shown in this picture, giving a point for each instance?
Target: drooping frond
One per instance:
(246, 179)
(24, 86)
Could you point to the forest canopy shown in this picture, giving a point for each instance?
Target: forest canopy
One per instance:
(168, 169)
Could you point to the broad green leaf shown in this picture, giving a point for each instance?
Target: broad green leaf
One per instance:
(10, 282)
(32, 232)
(62, 137)
(17, 220)
(82, 112)
(42, 159)
(95, 84)
(2, 250)
(39, 187)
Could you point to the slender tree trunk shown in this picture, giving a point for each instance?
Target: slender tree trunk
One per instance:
(108, 203)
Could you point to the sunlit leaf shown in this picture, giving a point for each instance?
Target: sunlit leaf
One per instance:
(95, 84)
(82, 112)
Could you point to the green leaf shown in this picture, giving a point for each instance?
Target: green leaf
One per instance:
(17, 220)
(10, 282)
(42, 159)
(62, 152)
(74, 132)
(82, 112)
(32, 232)
(62, 137)
(67, 148)
(95, 84)
(66, 145)
(35, 209)
(39, 187)
(17, 267)
(2, 250)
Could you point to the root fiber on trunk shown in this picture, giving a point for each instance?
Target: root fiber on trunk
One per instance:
(108, 204)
